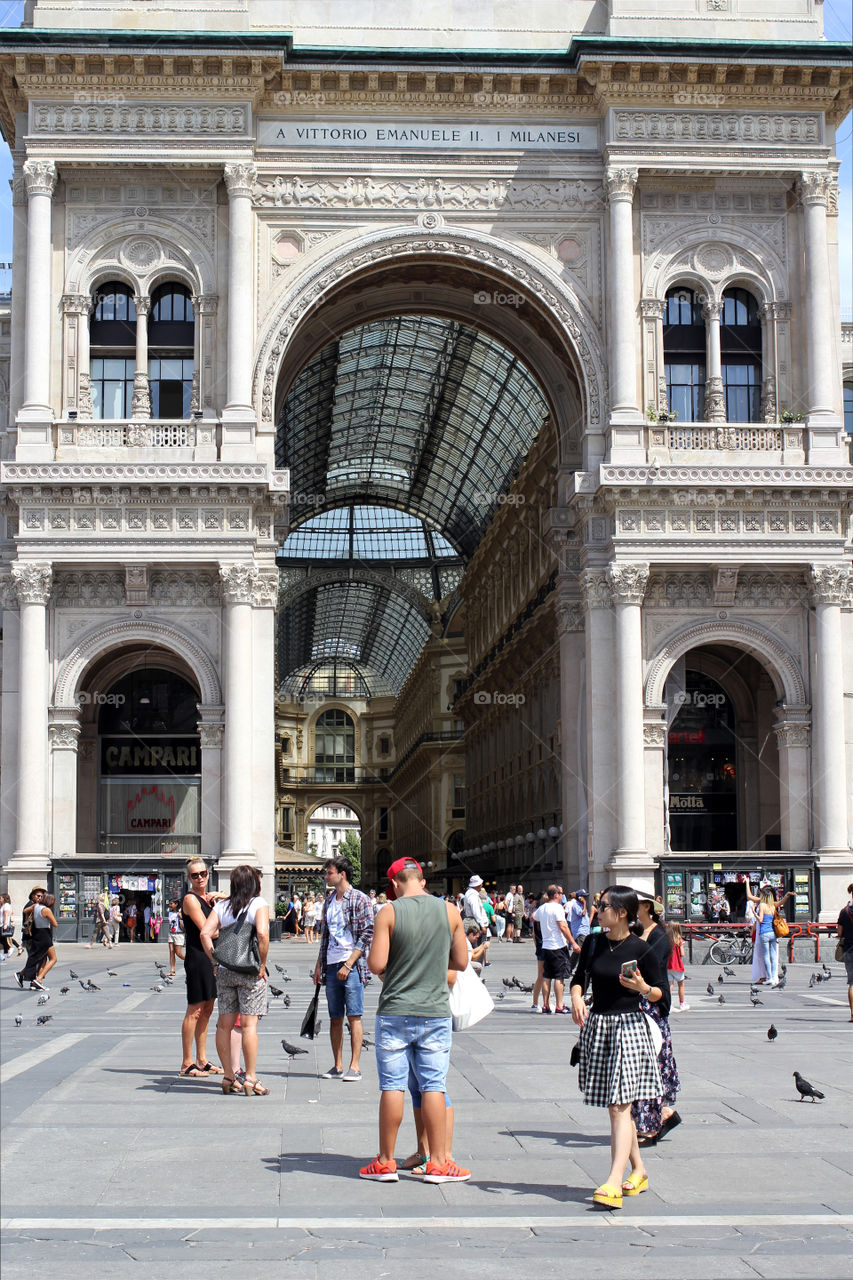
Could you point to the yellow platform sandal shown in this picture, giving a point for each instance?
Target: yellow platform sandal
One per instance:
(607, 1196)
(635, 1183)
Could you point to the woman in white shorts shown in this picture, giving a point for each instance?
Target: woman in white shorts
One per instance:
(240, 993)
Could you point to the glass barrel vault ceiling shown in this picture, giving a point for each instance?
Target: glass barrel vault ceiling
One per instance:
(425, 421)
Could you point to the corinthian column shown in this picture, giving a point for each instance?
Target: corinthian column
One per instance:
(34, 440)
(817, 190)
(141, 406)
(628, 586)
(621, 319)
(831, 587)
(715, 401)
(33, 582)
(239, 583)
(240, 180)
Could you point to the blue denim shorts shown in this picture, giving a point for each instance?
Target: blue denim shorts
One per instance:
(420, 1043)
(415, 1092)
(344, 997)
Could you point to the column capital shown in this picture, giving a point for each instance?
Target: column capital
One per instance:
(33, 581)
(76, 304)
(628, 582)
(211, 736)
(828, 584)
(818, 186)
(244, 583)
(63, 735)
(595, 588)
(240, 178)
(40, 177)
(205, 303)
(619, 183)
(652, 308)
(569, 611)
(142, 302)
(711, 309)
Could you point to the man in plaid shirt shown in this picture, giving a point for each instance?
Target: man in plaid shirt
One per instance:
(347, 932)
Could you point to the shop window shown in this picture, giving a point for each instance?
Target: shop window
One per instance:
(740, 349)
(149, 766)
(701, 761)
(171, 337)
(684, 355)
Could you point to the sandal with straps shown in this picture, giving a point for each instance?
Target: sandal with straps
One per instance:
(635, 1183)
(608, 1196)
(232, 1085)
(194, 1071)
(209, 1069)
(254, 1087)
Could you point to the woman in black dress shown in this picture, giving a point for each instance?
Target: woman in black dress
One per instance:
(654, 1117)
(618, 1059)
(201, 984)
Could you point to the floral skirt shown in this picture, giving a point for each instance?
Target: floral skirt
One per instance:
(646, 1113)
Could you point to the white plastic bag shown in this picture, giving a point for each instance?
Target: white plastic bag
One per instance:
(470, 1002)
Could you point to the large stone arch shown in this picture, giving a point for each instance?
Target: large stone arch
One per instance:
(515, 272)
(104, 639)
(779, 662)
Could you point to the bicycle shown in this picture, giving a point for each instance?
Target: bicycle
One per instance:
(732, 950)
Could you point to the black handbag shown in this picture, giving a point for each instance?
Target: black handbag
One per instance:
(237, 947)
(310, 1025)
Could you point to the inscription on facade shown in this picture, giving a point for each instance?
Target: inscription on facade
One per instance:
(416, 135)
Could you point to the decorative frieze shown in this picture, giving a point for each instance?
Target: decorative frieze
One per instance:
(88, 589)
(140, 120)
(387, 191)
(184, 588)
(700, 128)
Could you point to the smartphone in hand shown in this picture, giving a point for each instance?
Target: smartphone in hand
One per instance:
(629, 969)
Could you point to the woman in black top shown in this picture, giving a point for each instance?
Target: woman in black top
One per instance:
(201, 984)
(654, 1117)
(618, 1061)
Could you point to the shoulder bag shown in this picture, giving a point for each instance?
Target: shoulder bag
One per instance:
(780, 925)
(470, 1002)
(237, 947)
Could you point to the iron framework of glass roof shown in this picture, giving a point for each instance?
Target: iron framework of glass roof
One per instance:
(401, 437)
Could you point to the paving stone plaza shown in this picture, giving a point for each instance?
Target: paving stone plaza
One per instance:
(137, 1168)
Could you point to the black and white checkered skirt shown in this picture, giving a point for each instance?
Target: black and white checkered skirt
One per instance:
(618, 1062)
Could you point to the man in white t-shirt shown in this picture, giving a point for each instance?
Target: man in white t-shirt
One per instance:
(472, 904)
(557, 946)
(508, 897)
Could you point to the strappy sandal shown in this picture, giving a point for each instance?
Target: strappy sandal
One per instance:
(418, 1168)
(608, 1196)
(232, 1085)
(193, 1071)
(254, 1087)
(209, 1069)
(635, 1183)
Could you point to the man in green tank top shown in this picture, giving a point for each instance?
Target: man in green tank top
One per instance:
(416, 939)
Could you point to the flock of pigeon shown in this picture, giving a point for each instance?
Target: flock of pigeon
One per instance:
(804, 1088)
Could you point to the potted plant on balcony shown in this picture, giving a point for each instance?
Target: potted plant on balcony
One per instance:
(788, 415)
(661, 415)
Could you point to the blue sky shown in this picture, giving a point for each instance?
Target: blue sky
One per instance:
(838, 25)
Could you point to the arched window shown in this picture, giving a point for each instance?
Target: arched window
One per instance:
(171, 329)
(334, 747)
(112, 359)
(740, 349)
(848, 416)
(684, 355)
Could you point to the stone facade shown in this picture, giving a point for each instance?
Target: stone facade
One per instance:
(554, 202)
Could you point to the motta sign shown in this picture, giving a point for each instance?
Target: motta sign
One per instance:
(135, 756)
(419, 135)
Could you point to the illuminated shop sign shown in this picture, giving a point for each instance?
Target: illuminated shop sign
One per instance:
(123, 756)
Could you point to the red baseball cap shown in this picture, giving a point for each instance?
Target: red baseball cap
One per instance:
(395, 869)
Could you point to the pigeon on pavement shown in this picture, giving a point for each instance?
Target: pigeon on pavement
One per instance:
(781, 984)
(806, 1090)
(111, 973)
(157, 987)
(292, 1049)
(813, 980)
(18, 1020)
(45, 1017)
(276, 991)
(720, 979)
(63, 991)
(730, 973)
(43, 999)
(772, 1033)
(710, 989)
(286, 1002)
(90, 986)
(755, 1000)
(721, 998)
(72, 974)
